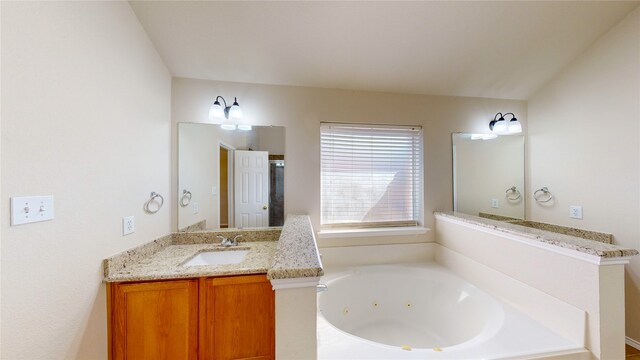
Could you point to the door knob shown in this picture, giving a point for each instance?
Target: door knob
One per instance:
(264, 207)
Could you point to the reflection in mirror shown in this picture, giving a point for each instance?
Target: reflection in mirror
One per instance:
(488, 175)
(230, 179)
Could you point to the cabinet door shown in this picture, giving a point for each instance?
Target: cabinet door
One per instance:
(154, 320)
(238, 318)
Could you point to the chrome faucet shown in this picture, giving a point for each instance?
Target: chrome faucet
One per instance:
(224, 241)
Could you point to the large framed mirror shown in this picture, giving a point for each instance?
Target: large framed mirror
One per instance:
(488, 175)
(230, 179)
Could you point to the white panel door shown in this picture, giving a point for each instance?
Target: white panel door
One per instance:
(251, 188)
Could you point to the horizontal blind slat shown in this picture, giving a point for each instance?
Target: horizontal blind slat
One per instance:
(370, 174)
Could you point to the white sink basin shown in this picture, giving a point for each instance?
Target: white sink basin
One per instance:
(218, 258)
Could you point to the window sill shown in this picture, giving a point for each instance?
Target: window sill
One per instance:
(392, 231)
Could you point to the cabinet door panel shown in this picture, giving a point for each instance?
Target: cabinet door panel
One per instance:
(238, 318)
(155, 320)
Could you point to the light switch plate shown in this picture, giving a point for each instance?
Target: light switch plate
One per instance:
(28, 209)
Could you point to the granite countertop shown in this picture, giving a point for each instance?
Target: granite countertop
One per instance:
(167, 262)
(280, 253)
(297, 254)
(592, 247)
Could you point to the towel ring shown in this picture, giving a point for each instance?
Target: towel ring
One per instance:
(515, 193)
(186, 198)
(545, 192)
(154, 195)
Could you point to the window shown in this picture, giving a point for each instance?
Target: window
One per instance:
(371, 175)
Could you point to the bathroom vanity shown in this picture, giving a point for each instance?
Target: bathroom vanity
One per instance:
(231, 317)
(184, 296)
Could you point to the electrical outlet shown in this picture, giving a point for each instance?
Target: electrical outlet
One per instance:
(494, 203)
(128, 225)
(196, 208)
(575, 212)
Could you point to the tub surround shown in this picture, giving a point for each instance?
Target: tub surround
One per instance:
(584, 274)
(585, 234)
(600, 249)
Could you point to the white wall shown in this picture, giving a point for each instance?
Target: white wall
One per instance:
(85, 117)
(300, 110)
(583, 143)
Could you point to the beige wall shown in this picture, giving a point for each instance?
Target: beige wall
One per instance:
(272, 140)
(583, 143)
(300, 110)
(86, 118)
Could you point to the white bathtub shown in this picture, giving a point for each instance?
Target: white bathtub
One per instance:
(422, 311)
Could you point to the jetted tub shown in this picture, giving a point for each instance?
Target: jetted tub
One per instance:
(422, 311)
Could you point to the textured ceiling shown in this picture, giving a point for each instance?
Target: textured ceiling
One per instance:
(505, 49)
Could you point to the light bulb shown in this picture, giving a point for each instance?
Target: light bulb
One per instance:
(244, 127)
(228, 127)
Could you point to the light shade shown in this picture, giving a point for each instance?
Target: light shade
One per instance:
(500, 127)
(514, 126)
(216, 111)
(235, 112)
(228, 127)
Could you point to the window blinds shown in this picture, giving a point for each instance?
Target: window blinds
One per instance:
(371, 175)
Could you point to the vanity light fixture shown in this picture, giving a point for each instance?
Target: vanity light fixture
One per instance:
(230, 115)
(500, 126)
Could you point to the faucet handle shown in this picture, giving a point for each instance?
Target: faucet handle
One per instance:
(224, 241)
(235, 238)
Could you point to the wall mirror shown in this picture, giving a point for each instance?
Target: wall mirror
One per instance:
(230, 179)
(488, 175)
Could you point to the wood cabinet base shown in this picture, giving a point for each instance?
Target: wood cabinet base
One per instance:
(224, 318)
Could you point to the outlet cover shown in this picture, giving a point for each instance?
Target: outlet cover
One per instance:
(196, 208)
(494, 203)
(128, 225)
(575, 212)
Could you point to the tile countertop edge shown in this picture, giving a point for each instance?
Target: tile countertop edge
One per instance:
(590, 247)
(297, 254)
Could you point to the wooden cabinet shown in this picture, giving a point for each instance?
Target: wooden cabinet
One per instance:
(238, 318)
(209, 318)
(154, 320)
